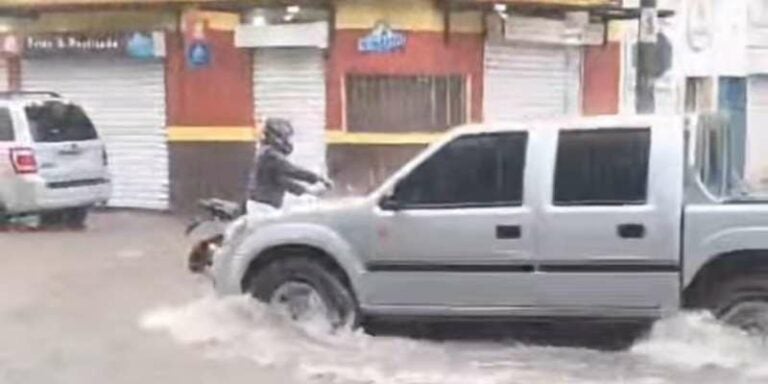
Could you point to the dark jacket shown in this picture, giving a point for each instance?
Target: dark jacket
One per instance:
(273, 174)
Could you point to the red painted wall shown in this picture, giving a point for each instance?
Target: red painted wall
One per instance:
(217, 95)
(602, 68)
(425, 53)
(14, 73)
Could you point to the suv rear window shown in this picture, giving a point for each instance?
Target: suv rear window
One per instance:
(6, 125)
(54, 121)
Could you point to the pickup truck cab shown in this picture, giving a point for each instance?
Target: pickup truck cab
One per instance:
(620, 217)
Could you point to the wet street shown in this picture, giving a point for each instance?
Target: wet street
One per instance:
(115, 304)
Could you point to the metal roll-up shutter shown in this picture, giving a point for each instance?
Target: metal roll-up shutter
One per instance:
(290, 83)
(527, 80)
(756, 161)
(4, 76)
(125, 98)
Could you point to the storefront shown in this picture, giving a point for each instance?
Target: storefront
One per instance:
(4, 75)
(756, 157)
(119, 79)
(533, 65)
(9, 51)
(288, 50)
(736, 88)
(396, 80)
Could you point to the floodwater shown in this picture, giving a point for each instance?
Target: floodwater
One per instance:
(687, 348)
(115, 304)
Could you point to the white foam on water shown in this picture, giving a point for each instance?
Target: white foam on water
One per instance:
(697, 340)
(240, 327)
(679, 349)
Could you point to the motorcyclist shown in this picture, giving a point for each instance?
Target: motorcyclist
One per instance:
(272, 174)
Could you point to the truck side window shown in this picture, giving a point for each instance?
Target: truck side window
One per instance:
(602, 167)
(471, 171)
(6, 125)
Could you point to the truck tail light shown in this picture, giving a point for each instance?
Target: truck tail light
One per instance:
(23, 161)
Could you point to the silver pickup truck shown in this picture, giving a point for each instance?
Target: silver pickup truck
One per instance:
(619, 217)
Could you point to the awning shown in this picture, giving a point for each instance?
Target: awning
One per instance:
(549, 3)
(603, 9)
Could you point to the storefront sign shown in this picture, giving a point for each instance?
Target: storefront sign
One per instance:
(700, 24)
(575, 30)
(382, 39)
(134, 44)
(649, 25)
(313, 34)
(198, 55)
(141, 46)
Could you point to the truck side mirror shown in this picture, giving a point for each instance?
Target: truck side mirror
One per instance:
(389, 203)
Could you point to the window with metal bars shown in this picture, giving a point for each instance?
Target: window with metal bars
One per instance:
(397, 103)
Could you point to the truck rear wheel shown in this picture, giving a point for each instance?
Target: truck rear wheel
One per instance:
(302, 288)
(743, 302)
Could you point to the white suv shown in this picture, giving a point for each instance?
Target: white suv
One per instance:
(52, 161)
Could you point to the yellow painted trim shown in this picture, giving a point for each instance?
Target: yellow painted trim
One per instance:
(617, 30)
(180, 134)
(210, 134)
(569, 3)
(360, 138)
(95, 21)
(34, 3)
(410, 15)
(220, 21)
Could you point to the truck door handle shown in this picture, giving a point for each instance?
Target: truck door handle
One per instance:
(631, 231)
(507, 232)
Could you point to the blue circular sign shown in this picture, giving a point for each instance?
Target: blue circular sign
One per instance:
(198, 55)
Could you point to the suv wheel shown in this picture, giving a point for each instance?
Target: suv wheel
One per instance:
(301, 289)
(75, 218)
(743, 302)
(72, 218)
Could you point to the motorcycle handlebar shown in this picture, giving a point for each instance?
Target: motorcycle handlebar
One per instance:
(222, 209)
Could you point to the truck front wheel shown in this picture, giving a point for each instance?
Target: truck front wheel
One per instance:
(301, 288)
(743, 302)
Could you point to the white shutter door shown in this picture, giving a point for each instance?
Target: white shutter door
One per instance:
(524, 81)
(125, 98)
(757, 132)
(4, 86)
(290, 83)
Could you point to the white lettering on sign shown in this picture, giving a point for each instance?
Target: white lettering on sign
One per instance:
(700, 20)
(649, 25)
(54, 44)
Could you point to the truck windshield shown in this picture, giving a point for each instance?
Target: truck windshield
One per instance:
(54, 121)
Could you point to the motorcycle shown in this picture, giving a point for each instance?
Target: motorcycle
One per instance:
(218, 215)
(209, 231)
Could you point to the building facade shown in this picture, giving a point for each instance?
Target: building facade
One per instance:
(719, 65)
(178, 88)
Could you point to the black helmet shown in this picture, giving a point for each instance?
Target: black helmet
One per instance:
(278, 133)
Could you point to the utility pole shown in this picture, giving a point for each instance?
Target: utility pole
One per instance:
(648, 35)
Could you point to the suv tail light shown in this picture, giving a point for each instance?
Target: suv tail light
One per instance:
(104, 157)
(23, 161)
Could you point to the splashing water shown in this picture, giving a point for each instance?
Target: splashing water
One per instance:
(686, 348)
(697, 340)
